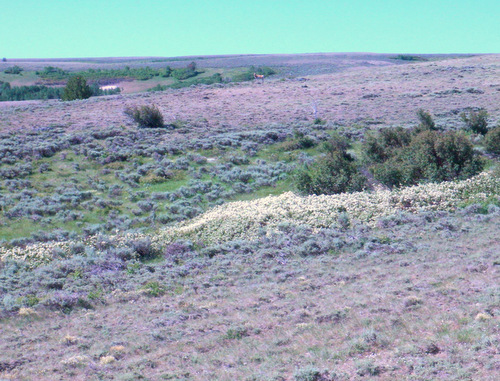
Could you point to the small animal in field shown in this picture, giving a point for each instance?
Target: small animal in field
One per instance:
(259, 76)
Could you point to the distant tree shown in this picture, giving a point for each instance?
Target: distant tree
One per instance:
(4, 59)
(185, 73)
(167, 72)
(51, 72)
(76, 88)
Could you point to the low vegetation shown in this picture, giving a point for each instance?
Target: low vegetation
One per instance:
(427, 156)
(50, 75)
(22, 93)
(476, 122)
(13, 70)
(248, 75)
(146, 116)
(334, 172)
(200, 306)
(492, 141)
(132, 179)
(308, 251)
(409, 57)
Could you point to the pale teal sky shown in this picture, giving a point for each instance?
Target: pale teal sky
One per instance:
(112, 28)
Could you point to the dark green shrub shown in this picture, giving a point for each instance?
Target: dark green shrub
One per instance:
(309, 373)
(379, 147)
(13, 70)
(336, 143)
(306, 142)
(76, 88)
(145, 116)
(154, 289)
(476, 122)
(300, 141)
(21, 93)
(167, 72)
(389, 173)
(262, 70)
(492, 141)
(248, 75)
(445, 156)
(185, 73)
(374, 149)
(216, 78)
(426, 121)
(51, 72)
(236, 333)
(430, 156)
(407, 57)
(335, 172)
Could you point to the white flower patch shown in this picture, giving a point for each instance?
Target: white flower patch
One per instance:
(247, 219)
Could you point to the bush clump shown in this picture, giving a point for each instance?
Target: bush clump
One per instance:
(426, 121)
(13, 70)
(76, 88)
(185, 73)
(492, 141)
(379, 147)
(145, 116)
(249, 74)
(476, 122)
(21, 93)
(308, 373)
(425, 156)
(335, 172)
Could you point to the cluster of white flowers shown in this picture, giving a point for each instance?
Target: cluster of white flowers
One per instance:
(36, 254)
(245, 219)
(44, 252)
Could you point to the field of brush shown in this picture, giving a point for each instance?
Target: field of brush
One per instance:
(188, 253)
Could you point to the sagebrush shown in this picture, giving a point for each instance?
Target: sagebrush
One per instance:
(146, 116)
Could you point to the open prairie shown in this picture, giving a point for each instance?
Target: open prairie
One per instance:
(207, 249)
(371, 92)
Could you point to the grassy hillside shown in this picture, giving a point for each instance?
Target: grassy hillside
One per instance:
(187, 252)
(414, 298)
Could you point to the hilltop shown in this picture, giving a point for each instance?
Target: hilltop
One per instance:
(366, 92)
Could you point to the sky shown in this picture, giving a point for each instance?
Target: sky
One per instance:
(169, 28)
